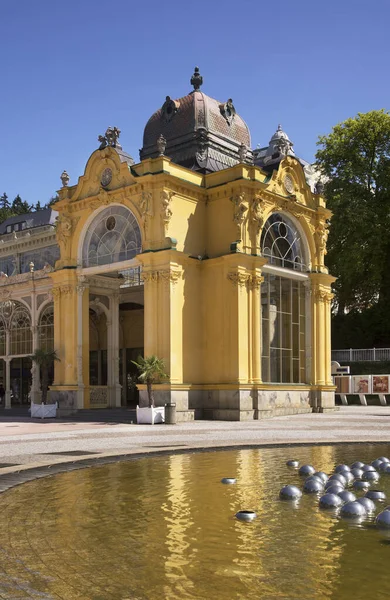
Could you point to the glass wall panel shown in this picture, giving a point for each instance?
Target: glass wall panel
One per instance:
(283, 330)
(281, 243)
(46, 329)
(41, 258)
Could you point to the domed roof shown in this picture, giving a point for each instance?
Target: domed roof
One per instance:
(198, 132)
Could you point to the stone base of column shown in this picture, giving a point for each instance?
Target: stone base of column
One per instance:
(66, 399)
(323, 400)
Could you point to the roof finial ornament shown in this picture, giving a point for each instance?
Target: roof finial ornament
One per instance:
(196, 79)
(280, 127)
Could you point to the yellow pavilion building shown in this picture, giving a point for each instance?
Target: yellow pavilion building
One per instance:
(206, 253)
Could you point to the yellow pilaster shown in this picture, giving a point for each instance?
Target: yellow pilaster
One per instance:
(321, 346)
(65, 326)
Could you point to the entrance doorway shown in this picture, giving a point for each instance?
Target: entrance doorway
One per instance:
(20, 378)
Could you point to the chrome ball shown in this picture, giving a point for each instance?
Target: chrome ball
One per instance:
(334, 489)
(370, 476)
(368, 504)
(347, 496)
(387, 470)
(375, 495)
(315, 478)
(228, 480)
(293, 463)
(321, 475)
(349, 477)
(306, 470)
(290, 492)
(368, 468)
(357, 473)
(246, 515)
(383, 520)
(353, 509)
(338, 477)
(384, 459)
(376, 463)
(330, 501)
(361, 486)
(341, 468)
(383, 466)
(357, 465)
(313, 486)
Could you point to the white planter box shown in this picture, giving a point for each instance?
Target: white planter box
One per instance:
(44, 411)
(150, 416)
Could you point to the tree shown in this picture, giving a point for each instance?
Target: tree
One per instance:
(44, 359)
(354, 160)
(151, 370)
(20, 207)
(4, 201)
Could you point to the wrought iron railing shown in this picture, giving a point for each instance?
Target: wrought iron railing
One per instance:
(361, 355)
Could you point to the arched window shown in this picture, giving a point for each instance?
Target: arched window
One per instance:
(113, 236)
(20, 330)
(46, 329)
(281, 243)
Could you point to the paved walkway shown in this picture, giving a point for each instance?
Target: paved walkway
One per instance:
(25, 444)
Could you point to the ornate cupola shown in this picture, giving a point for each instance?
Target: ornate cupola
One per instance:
(279, 147)
(198, 132)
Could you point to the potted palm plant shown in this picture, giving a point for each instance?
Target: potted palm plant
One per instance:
(151, 370)
(44, 360)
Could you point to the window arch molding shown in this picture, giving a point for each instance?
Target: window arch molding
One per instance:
(111, 234)
(285, 242)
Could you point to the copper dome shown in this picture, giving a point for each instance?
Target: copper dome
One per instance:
(200, 133)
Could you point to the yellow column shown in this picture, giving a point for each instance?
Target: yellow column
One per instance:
(255, 284)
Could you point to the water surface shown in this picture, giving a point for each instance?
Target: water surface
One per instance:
(164, 528)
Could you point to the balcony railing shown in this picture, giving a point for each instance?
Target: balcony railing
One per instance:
(349, 355)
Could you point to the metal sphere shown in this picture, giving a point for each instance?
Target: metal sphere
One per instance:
(353, 509)
(357, 465)
(246, 515)
(341, 468)
(361, 486)
(370, 476)
(368, 468)
(228, 480)
(290, 492)
(383, 520)
(357, 473)
(334, 489)
(347, 496)
(313, 486)
(306, 470)
(384, 459)
(368, 504)
(293, 463)
(387, 507)
(387, 470)
(338, 477)
(376, 495)
(321, 475)
(376, 463)
(330, 501)
(383, 466)
(315, 478)
(349, 477)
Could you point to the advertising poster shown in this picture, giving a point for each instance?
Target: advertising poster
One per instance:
(380, 384)
(361, 384)
(343, 385)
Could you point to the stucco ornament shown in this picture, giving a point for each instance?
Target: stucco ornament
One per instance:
(256, 216)
(166, 212)
(288, 184)
(228, 111)
(63, 228)
(64, 178)
(321, 236)
(242, 150)
(110, 138)
(240, 209)
(161, 144)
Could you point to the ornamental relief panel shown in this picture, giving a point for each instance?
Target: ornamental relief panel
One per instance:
(166, 211)
(240, 208)
(166, 276)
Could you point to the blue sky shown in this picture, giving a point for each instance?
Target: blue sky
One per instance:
(70, 69)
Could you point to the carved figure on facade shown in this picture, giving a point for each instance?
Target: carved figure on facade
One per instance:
(161, 144)
(166, 212)
(110, 138)
(239, 211)
(63, 227)
(256, 216)
(228, 111)
(64, 178)
(242, 150)
(321, 235)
